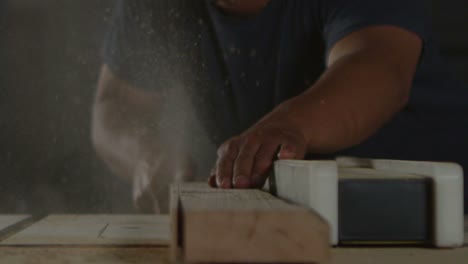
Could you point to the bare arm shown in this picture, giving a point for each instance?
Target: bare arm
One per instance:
(123, 123)
(125, 135)
(367, 81)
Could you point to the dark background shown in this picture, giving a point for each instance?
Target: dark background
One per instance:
(49, 63)
(49, 66)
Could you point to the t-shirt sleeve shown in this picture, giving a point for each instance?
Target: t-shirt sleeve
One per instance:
(130, 49)
(342, 17)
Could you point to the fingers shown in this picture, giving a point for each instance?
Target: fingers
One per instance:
(289, 151)
(227, 155)
(244, 162)
(263, 162)
(291, 148)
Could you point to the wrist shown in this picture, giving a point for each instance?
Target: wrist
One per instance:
(296, 113)
(314, 120)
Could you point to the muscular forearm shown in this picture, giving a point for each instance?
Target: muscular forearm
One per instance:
(128, 135)
(368, 80)
(354, 98)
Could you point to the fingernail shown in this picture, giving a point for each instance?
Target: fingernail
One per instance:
(242, 182)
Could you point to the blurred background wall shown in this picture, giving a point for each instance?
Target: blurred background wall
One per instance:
(450, 23)
(49, 63)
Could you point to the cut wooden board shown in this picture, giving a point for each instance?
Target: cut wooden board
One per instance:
(244, 226)
(9, 220)
(95, 230)
(84, 255)
(159, 255)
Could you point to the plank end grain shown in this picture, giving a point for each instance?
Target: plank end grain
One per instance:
(245, 226)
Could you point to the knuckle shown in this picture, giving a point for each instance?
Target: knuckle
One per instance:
(223, 168)
(243, 160)
(244, 169)
(230, 145)
(251, 139)
(290, 147)
(226, 159)
(240, 170)
(241, 165)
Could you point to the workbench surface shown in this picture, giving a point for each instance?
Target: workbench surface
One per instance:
(155, 252)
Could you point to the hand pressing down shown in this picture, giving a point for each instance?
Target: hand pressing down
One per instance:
(244, 161)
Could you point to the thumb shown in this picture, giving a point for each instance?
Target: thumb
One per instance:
(287, 151)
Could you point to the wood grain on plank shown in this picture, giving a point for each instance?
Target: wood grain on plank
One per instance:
(238, 226)
(95, 230)
(83, 255)
(9, 220)
(159, 255)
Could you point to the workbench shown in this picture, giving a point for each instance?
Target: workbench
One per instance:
(115, 239)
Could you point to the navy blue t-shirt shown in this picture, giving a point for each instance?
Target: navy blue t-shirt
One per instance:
(242, 67)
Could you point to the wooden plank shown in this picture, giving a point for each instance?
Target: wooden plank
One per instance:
(159, 255)
(84, 255)
(95, 230)
(239, 226)
(9, 220)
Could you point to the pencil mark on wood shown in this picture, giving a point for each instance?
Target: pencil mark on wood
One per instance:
(95, 230)
(102, 230)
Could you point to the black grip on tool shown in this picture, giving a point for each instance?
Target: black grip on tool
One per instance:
(384, 211)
